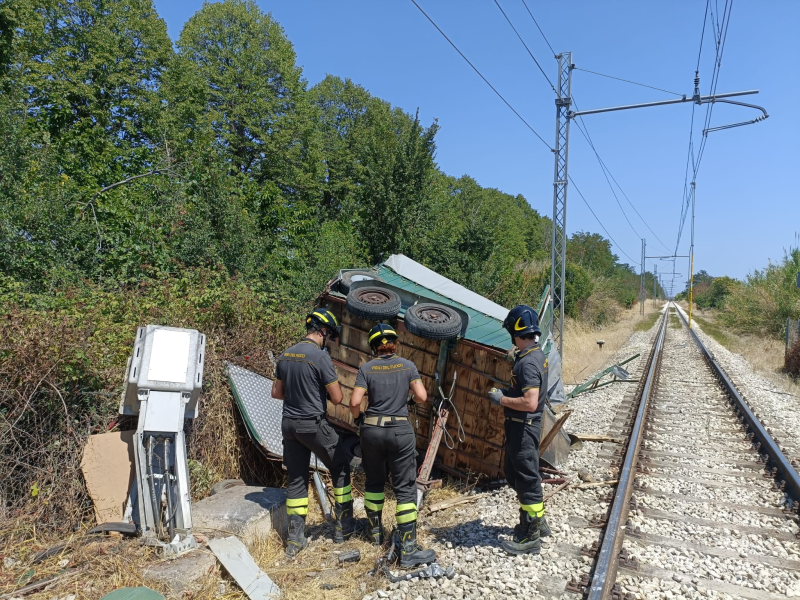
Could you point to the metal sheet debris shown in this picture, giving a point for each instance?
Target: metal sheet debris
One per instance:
(108, 469)
(233, 555)
(261, 413)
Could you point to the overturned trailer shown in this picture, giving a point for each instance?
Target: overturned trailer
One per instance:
(462, 368)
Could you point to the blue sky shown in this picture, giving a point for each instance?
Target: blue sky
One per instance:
(748, 207)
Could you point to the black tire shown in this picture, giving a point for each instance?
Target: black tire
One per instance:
(352, 450)
(374, 303)
(433, 321)
(351, 277)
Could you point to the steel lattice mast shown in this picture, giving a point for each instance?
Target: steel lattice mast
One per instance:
(560, 177)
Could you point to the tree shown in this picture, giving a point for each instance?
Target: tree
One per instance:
(90, 70)
(257, 106)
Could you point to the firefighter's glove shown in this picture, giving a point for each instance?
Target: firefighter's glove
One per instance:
(495, 395)
(359, 421)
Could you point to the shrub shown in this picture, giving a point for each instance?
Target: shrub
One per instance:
(792, 364)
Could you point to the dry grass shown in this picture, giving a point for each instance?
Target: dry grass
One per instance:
(108, 563)
(765, 354)
(582, 357)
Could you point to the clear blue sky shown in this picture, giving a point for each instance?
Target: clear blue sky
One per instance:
(748, 207)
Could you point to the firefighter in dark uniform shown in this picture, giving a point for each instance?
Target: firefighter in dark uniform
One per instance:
(523, 404)
(388, 442)
(304, 377)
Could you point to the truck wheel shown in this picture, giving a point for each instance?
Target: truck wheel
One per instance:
(351, 277)
(433, 321)
(374, 303)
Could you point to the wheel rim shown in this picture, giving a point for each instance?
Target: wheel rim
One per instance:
(434, 314)
(373, 296)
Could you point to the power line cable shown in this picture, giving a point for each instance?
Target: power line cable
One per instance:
(539, 28)
(526, 48)
(474, 68)
(628, 81)
(577, 189)
(524, 121)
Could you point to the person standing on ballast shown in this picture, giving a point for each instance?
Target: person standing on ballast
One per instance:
(388, 441)
(523, 404)
(305, 376)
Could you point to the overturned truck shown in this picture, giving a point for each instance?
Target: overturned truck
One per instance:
(456, 339)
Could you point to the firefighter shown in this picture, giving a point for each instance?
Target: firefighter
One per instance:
(304, 377)
(523, 404)
(388, 441)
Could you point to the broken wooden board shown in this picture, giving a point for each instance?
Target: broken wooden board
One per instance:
(454, 502)
(108, 468)
(233, 555)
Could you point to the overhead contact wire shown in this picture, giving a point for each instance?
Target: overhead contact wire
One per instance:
(474, 68)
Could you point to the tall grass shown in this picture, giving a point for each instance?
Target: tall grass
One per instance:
(767, 299)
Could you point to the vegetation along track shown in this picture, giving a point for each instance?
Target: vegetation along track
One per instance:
(707, 503)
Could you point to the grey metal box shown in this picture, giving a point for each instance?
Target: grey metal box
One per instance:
(165, 359)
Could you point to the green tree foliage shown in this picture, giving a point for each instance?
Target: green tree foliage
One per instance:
(767, 298)
(122, 157)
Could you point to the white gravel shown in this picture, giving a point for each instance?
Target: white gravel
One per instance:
(778, 409)
(468, 537)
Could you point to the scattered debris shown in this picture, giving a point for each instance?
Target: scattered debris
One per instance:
(182, 574)
(108, 469)
(454, 502)
(598, 438)
(593, 383)
(585, 475)
(551, 435)
(322, 494)
(352, 556)
(564, 485)
(37, 585)
(233, 555)
(137, 593)
(597, 484)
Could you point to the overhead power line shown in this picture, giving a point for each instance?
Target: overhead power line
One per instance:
(539, 28)
(474, 68)
(585, 130)
(629, 81)
(633, 261)
(526, 48)
(508, 104)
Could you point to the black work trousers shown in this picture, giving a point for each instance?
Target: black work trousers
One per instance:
(522, 460)
(301, 437)
(390, 449)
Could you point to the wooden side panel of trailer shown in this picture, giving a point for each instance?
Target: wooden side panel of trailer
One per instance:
(477, 368)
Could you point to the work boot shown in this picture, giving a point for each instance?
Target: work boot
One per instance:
(375, 531)
(411, 553)
(296, 539)
(544, 528)
(343, 525)
(526, 536)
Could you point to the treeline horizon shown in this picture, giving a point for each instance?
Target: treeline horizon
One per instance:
(127, 157)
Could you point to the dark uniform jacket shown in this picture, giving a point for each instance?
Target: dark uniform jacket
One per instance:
(529, 372)
(386, 380)
(305, 370)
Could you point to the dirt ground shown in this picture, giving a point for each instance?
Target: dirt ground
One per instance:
(582, 355)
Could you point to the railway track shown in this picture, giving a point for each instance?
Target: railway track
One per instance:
(707, 502)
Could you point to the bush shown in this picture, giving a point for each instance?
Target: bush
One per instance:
(62, 363)
(767, 298)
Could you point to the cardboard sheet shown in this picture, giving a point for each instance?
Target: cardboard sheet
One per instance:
(108, 468)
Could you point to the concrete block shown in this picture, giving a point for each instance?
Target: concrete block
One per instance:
(246, 511)
(182, 574)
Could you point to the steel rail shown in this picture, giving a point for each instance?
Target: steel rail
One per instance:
(785, 472)
(605, 570)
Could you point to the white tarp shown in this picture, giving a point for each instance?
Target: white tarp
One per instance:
(402, 265)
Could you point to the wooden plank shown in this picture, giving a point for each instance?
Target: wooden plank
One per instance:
(240, 565)
(551, 435)
(454, 502)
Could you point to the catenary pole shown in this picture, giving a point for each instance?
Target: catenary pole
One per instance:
(642, 292)
(560, 177)
(691, 259)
